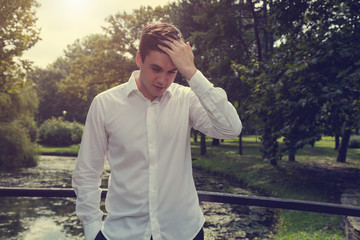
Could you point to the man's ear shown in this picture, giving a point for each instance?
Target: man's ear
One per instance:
(138, 60)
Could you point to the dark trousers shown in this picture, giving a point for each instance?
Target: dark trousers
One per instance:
(199, 236)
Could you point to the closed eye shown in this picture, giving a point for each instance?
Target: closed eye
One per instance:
(156, 69)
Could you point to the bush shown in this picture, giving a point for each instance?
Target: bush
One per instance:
(28, 123)
(354, 141)
(16, 150)
(57, 132)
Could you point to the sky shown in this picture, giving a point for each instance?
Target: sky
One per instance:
(62, 22)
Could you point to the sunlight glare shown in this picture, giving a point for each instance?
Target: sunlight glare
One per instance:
(75, 3)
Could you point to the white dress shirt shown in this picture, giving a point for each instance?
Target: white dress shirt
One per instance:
(151, 189)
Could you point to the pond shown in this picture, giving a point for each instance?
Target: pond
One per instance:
(55, 219)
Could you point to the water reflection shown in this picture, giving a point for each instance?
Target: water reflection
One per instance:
(40, 218)
(45, 229)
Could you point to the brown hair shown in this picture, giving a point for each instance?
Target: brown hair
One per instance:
(153, 34)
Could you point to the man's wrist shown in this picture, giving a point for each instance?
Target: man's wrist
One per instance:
(190, 73)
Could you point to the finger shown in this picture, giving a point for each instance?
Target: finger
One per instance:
(165, 48)
(175, 42)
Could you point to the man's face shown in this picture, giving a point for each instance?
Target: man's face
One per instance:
(157, 73)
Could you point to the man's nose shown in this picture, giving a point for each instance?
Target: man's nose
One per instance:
(162, 78)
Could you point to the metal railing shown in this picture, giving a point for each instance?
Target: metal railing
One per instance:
(270, 202)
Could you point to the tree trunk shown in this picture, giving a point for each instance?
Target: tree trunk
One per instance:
(266, 32)
(195, 135)
(337, 142)
(271, 36)
(256, 29)
(240, 144)
(291, 155)
(269, 146)
(342, 151)
(215, 142)
(273, 162)
(202, 144)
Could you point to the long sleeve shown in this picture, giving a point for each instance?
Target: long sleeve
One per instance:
(89, 166)
(211, 112)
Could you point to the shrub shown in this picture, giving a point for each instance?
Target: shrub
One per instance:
(16, 150)
(28, 123)
(57, 132)
(354, 141)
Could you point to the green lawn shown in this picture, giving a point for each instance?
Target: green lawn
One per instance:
(71, 150)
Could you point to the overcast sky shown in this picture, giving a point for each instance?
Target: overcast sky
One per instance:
(64, 21)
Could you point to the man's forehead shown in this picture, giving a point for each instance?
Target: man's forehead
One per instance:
(159, 59)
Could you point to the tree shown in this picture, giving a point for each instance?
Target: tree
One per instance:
(17, 34)
(18, 100)
(336, 58)
(18, 128)
(310, 84)
(52, 102)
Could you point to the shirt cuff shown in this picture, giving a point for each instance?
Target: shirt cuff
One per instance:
(199, 84)
(92, 229)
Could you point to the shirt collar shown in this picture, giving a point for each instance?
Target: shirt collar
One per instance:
(132, 86)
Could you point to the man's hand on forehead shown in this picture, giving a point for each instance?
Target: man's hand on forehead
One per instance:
(181, 54)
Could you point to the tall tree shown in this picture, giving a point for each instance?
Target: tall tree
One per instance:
(17, 99)
(17, 34)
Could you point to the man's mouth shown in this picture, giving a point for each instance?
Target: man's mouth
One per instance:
(159, 87)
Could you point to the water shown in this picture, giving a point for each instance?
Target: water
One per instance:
(40, 218)
(55, 219)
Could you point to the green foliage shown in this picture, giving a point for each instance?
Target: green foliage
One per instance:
(16, 150)
(13, 105)
(219, 32)
(354, 141)
(18, 129)
(18, 100)
(18, 34)
(52, 102)
(310, 85)
(57, 132)
(19, 108)
(28, 123)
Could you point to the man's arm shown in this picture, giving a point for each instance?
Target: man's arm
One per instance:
(213, 114)
(86, 179)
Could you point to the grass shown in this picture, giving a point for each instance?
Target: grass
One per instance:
(315, 176)
(71, 150)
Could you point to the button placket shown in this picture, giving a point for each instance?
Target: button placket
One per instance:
(152, 148)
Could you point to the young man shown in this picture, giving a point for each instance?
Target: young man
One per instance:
(142, 128)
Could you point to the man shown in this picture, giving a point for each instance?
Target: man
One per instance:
(142, 128)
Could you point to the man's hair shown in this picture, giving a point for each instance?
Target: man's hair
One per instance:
(153, 34)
